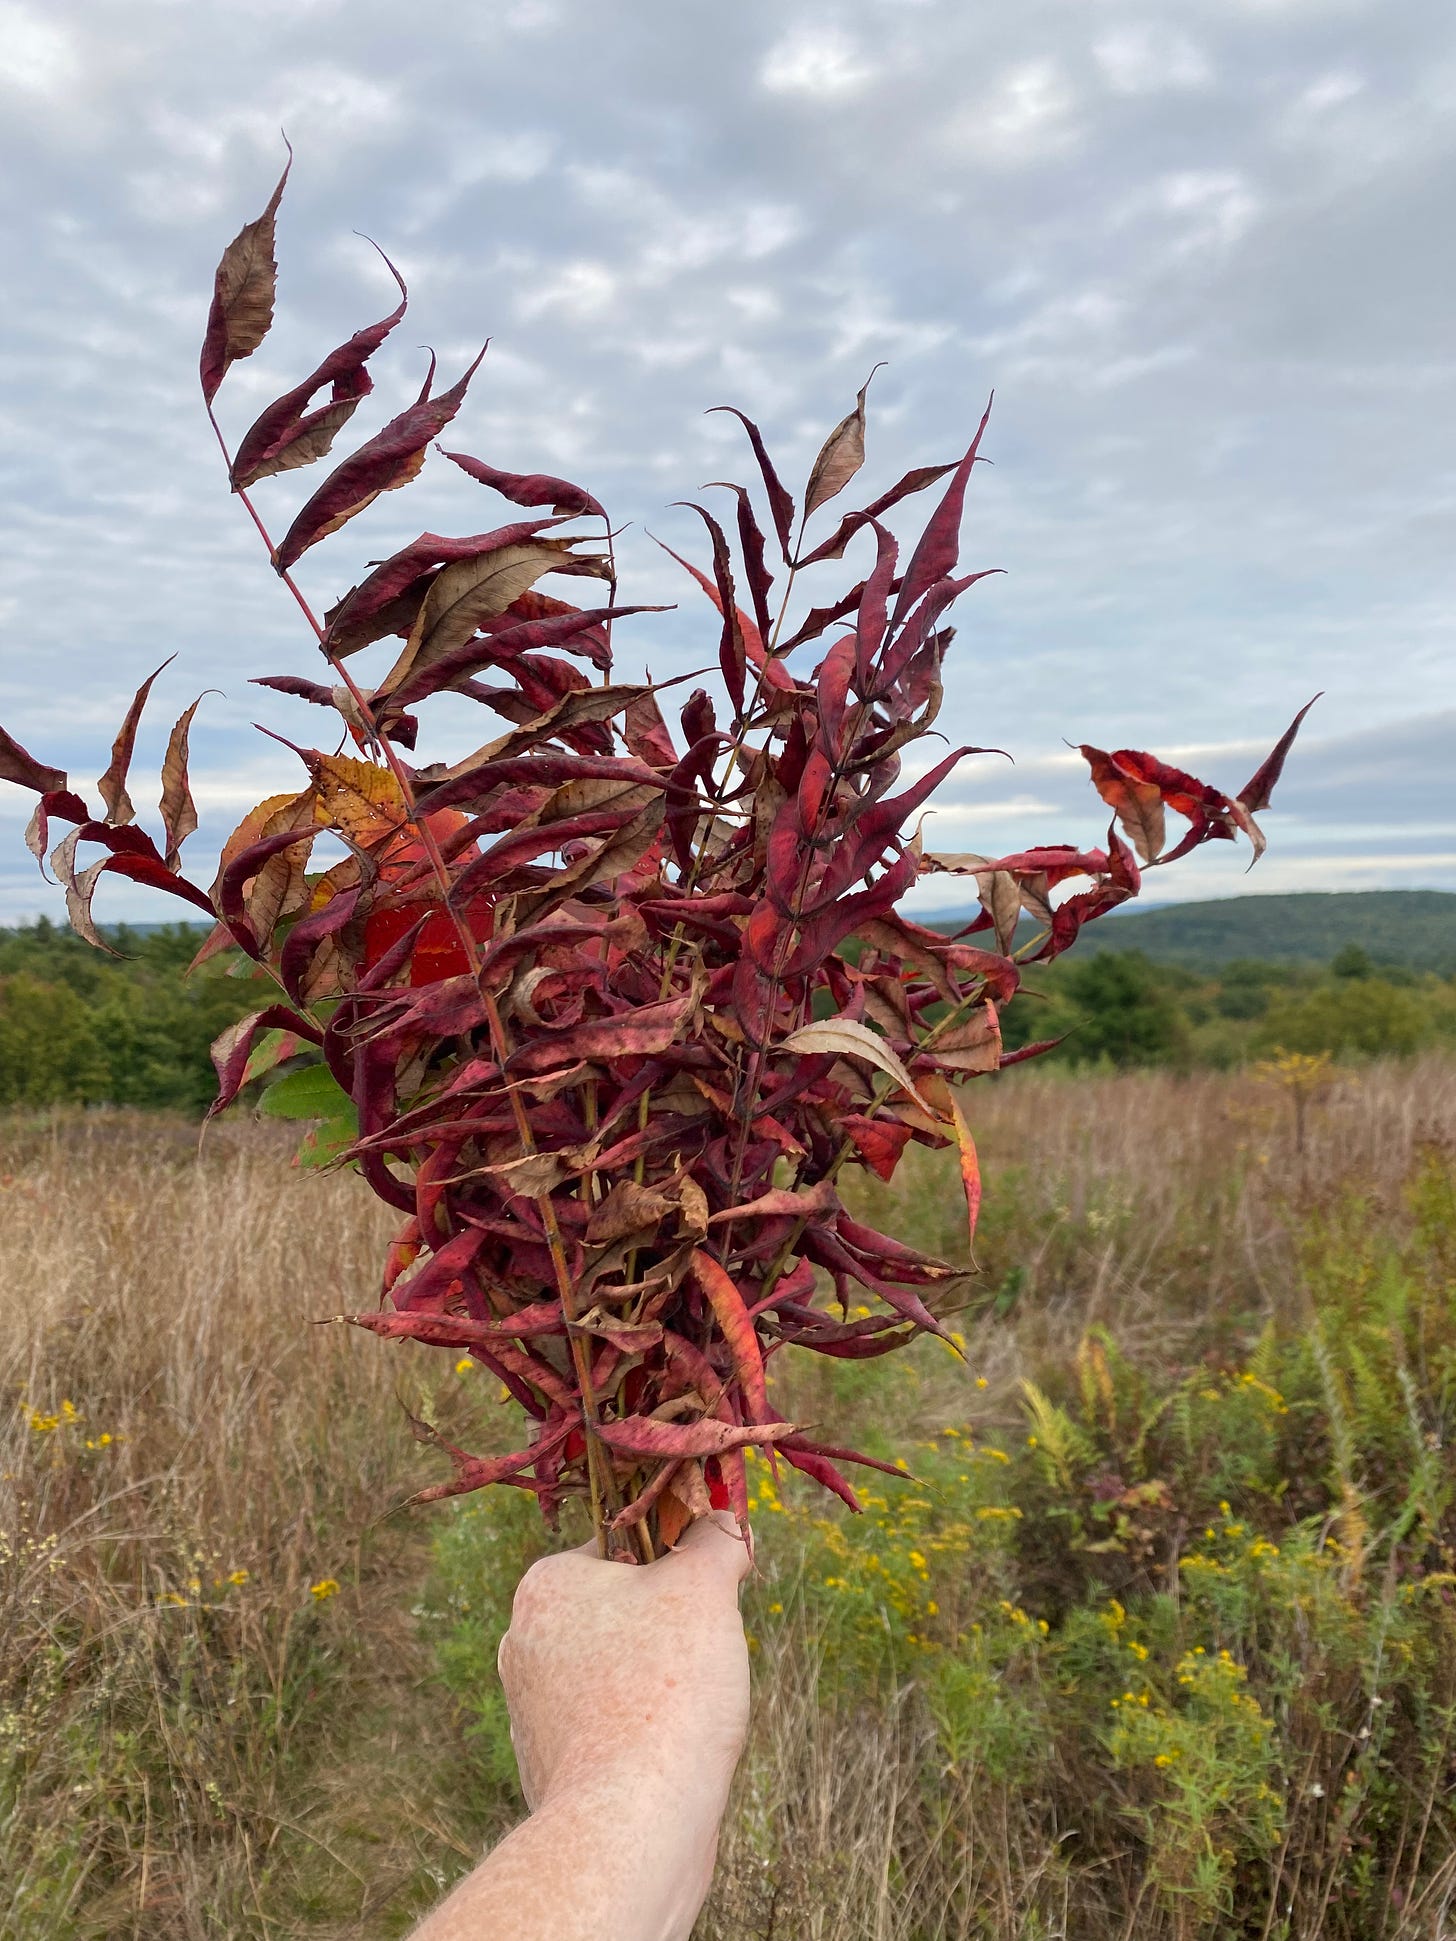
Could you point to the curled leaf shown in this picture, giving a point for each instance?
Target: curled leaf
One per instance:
(391, 458)
(840, 457)
(846, 1039)
(530, 488)
(288, 435)
(1256, 792)
(17, 765)
(734, 1319)
(639, 1436)
(112, 785)
(179, 812)
(970, 1166)
(242, 294)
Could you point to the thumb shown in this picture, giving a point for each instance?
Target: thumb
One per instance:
(715, 1542)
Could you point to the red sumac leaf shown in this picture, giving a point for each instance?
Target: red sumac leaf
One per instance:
(479, 1472)
(879, 1142)
(1255, 793)
(287, 434)
(914, 481)
(232, 1047)
(388, 601)
(307, 934)
(935, 556)
(54, 802)
(641, 1436)
(970, 1165)
(780, 504)
(751, 545)
(530, 488)
(250, 924)
(853, 1455)
(732, 647)
(634, 1034)
(18, 765)
(112, 785)
(391, 458)
(822, 1471)
(1137, 803)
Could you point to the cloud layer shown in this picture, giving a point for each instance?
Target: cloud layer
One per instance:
(1196, 251)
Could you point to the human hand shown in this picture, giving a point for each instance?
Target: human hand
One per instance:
(641, 1671)
(628, 1693)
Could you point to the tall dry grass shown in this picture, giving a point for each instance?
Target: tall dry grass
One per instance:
(183, 1457)
(1175, 1213)
(1157, 1204)
(183, 1756)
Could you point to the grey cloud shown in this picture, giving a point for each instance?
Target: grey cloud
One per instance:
(1202, 261)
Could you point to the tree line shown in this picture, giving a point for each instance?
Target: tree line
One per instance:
(77, 1027)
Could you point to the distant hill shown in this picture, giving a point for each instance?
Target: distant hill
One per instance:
(1412, 927)
(1416, 928)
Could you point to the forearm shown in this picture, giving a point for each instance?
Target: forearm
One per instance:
(618, 1857)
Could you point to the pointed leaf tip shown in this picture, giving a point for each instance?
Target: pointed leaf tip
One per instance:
(243, 293)
(391, 458)
(840, 457)
(288, 435)
(1256, 792)
(18, 765)
(781, 506)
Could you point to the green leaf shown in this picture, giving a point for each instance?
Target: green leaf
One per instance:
(323, 1145)
(311, 1093)
(272, 1049)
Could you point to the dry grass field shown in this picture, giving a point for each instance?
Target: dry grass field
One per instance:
(240, 1697)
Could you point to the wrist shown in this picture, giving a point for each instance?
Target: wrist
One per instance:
(653, 1822)
(641, 1781)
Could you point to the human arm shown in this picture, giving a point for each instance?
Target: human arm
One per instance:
(628, 1693)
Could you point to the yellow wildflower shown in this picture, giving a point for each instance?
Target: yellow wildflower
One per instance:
(325, 1587)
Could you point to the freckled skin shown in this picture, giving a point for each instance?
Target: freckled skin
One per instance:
(628, 1693)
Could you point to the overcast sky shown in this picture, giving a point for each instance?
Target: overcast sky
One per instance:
(1202, 251)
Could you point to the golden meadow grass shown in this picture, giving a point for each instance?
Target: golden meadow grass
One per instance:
(995, 1706)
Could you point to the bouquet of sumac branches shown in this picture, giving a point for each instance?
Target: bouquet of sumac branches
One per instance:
(607, 1009)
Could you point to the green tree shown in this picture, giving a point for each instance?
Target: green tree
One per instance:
(126, 1029)
(50, 1052)
(1115, 1008)
(1365, 1016)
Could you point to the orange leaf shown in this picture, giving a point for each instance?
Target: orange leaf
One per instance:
(673, 1517)
(738, 1331)
(970, 1165)
(359, 799)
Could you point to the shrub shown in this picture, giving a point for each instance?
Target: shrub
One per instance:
(582, 1010)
